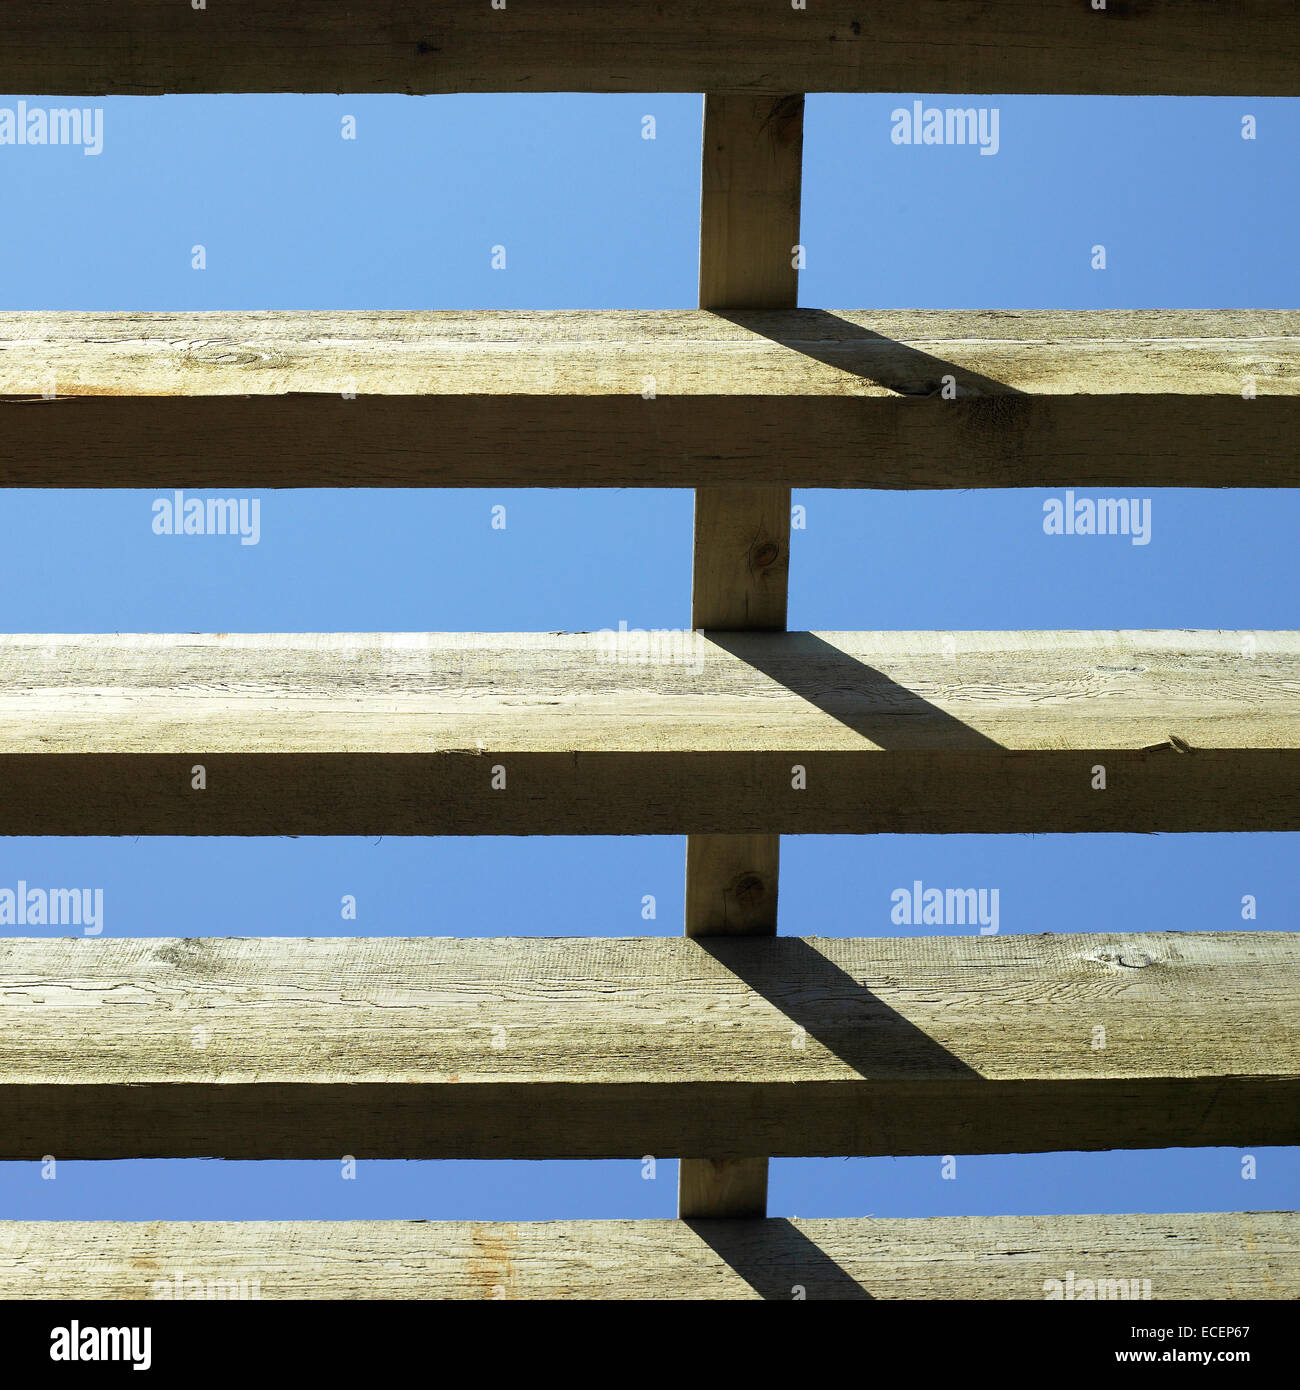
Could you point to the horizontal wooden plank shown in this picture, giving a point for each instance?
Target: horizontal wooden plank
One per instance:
(652, 733)
(755, 398)
(517, 399)
(1246, 47)
(676, 1047)
(1228, 1255)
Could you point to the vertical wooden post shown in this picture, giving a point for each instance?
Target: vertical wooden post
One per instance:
(749, 201)
(749, 228)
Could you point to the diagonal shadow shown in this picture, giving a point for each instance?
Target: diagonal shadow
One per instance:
(777, 1260)
(856, 1026)
(838, 1011)
(859, 696)
(846, 346)
(843, 1014)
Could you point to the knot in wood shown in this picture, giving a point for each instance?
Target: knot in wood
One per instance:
(749, 890)
(766, 554)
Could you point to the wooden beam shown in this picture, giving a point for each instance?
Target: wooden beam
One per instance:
(1217, 1255)
(731, 891)
(752, 175)
(749, 230)
(1238, 47)
(765, 399)
(578, 1048)
(741, 569)
(727, 893)
(659, 733)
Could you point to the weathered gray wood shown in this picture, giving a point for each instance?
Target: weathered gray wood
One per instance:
(1217, 1255)
(655, 734)
(151, 46)
(590, 1048)
(763, 399)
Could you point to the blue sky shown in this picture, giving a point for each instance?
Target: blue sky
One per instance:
(593, 216)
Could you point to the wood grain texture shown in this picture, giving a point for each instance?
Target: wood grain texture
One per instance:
(590, 1048)
(731, 890)
(751, 182)
(1218, 1255)
(746, 397)
(750, 189)
(749, 229)
(732, 1188)
(740, 575)
(732, 885)
(663, 733)
(1239, 47)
